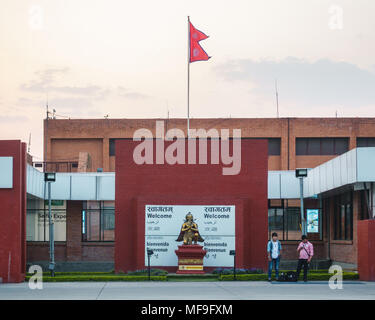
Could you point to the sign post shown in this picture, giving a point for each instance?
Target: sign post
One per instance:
(233, 253)
(49, 178)
(149, 254)
(302, 173)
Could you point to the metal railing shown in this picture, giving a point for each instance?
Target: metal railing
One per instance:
(56, 166)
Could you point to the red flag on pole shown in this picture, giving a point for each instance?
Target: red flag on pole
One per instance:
(196, 51)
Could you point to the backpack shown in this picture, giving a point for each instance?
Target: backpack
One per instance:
(289, 276)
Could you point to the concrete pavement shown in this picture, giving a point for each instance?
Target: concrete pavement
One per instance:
(219, 290)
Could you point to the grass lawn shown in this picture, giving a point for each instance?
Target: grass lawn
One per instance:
(317, 275)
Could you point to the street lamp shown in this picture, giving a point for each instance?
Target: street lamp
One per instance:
(50, 177)
(302, 173)
(233, 253)
(149, 254)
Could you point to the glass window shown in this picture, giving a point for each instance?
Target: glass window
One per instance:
(276, 221)
(274, 146)
(37, 220)
(328, 147)
(112, 150)
(301, 146)
(343, 217)
(98, 221)
(285, 221)
(365, 142)
(341, 145)
(293, 223)
(112, 145)
(313, 146)
(321, 146)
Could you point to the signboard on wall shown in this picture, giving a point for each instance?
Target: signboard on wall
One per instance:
(312, 220)
(216, 224)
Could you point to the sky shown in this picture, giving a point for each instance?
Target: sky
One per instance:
(128, 59)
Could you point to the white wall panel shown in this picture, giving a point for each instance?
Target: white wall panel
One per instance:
(60, 189)
(357, 165)
(344, 169)
(34, 182)
(366, 164)
(336, 172)
(83, 187)
(106, 187)
(289, 185)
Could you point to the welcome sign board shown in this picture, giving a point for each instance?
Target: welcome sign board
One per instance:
(216, 224)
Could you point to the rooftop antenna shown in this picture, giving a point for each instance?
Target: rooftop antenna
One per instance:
(47, 106)
(54, 114)
(167, 115)
(28, 147)
(277, 99)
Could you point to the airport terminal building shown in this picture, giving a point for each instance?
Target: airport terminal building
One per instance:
(107, 210)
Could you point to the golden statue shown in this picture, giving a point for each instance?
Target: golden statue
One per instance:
(189, 231)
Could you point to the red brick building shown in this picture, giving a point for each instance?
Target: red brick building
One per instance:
(89, 146)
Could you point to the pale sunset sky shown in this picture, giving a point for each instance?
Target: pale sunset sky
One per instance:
(128, 59)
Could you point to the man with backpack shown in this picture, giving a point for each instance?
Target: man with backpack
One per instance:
(274, 253)
(305, 252)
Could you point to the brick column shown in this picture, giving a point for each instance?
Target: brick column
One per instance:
(366, 245)
(284, 144)
(73, 231)
(105, 154)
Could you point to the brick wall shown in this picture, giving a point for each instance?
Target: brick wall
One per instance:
(290, 250)
(181, 184)
(73, 231)
(65, 138)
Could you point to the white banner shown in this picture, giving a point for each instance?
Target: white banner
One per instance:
(216, 225)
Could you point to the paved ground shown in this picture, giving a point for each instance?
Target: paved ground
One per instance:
(188, 290)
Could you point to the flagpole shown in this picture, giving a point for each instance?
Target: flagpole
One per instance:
(188, 81)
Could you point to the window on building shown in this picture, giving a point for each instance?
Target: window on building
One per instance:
(37, 220)
(98, 221)
(365, 142)
(274, 146)
(321, 146)
(285, 221)
(293, 223)
(112, 145)
(343, 217)
(276, 221)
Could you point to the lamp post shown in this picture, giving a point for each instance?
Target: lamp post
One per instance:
(50, 177)
(233, 253)
(302, 173)
(149, 254)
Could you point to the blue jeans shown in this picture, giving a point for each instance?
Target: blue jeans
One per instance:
(270, 266)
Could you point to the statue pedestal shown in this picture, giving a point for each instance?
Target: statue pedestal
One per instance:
(190, 259)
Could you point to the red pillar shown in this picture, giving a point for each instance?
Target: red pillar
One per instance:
(13, 215)
(366, 250)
